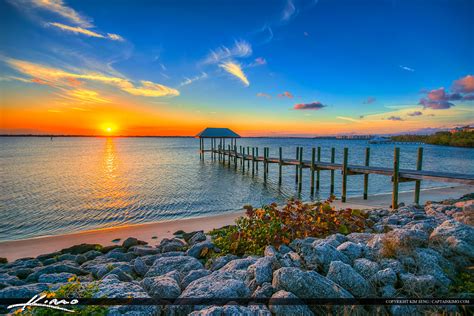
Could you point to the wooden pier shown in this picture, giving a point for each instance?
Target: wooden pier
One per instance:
(231, 155)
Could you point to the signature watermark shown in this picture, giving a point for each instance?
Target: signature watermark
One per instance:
(40, 301)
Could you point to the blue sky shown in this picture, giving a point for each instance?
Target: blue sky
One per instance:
(351, 66)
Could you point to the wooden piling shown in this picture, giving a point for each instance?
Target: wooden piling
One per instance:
(243, 159)
(296, 166)
(313, 158)
(280, 165)
(366, 176)
(248, 158)
(300, 175)
(333, 157)
(256, 162)
(265, 164)
(395, 177)
(318, 172)
(228, 160)
(268, 156)
(419, 161)
(235, 157)
(344, 174)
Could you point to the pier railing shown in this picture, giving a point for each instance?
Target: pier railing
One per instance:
(249, 155)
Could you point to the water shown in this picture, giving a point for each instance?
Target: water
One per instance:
(73, 184)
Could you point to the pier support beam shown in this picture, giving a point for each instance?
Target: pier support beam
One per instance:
(344, 175)
(296, 167)
(300, 171)
(280, 164)
(395, 177)
(419, 162)
(318, 172)
(256, 162)
(253, 161)
(265, 156)
(313, 159)
(333, 157)
(366, 176)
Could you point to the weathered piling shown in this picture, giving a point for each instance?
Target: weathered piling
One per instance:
(300, 171)
(333, 157)
(296, 165)
(265, 156)
(395, 179)
(419, 161)
(318, 173)
(253, 161)
(366, 176)
(313, 159)
(344, 174)
(256, 162)
(280, 165)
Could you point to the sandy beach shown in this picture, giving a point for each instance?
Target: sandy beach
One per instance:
(154, 232)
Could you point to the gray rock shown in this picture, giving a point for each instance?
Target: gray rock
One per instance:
(92, 254)
(219, 284)
(66, 256)
(232, 309)
(140, 267)
(307, 284)
(351, 250)
(362, 238)
(239, 264)
(393, 264)
(283, 249)
(150, 259)
(120, 256)
(112, 287)
(365, 267)
(122, 274)
(196, 238)
(270, 251)
(23, 291)
(194, 275)
(55, 277)
(454, 238)
(10, 279)
(291, 259)
(384, 277)
(320, 256)
(167, 245)
(55, 268)
(262, 269)
(161, 287)
(263, 291)
(182, 264)
(131, 241)
(80, 259)
(418, 285)
(21, 273)
(284, 310)
(101, 270)
(144, 250)
(344, 275)
(334, 240)
(219, 262)
(407, 238)
(429, 261)
(200, 249)
(388, 291)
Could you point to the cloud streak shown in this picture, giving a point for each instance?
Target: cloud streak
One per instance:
(80, 30)
(370, 100)
(240, 49)
(407, 68)
(350, 119)
(286, 94)
(235, 70)
(58, 7)
(264, 95)
(394, 118)
(188, 81)
(309, 106)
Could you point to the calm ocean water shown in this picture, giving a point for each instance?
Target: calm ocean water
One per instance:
(73, 184)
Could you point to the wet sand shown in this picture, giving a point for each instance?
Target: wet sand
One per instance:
(33, 247)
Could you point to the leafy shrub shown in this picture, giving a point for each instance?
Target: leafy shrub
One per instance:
(270, 225)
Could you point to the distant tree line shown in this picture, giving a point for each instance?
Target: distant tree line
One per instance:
(458, 139)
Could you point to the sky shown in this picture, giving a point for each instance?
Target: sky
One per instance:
(261, 68)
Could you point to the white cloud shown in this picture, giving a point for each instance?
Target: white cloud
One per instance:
(235, 70)
(239, 50)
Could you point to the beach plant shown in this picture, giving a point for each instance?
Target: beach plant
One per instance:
(271, 225)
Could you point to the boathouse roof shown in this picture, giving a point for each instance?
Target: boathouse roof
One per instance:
(212, 132)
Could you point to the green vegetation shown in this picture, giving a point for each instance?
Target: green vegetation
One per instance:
(73, 290)
(270, 225)
(459, 139)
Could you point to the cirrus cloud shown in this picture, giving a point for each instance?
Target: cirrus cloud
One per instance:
(80, 30)
(394, 118)
(236, 70)
(239, 50)
(309, 106)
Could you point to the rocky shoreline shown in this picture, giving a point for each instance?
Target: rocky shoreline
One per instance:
(412, 252)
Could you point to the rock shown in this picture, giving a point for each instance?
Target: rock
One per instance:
(174, 244)
(102, 269)
(131, 241)
(49, 256)
(262, 269)
(239, 264)
(182, 264)
(307, 284)
(10, 279)
(219, 284)
(92, 254)
(320, 256)
(122, 274)
(365, 267)
(112, 287)
(3, 260)
(283, 310)
(140, 267)
(219, 262)
(21, 273)
(80, 259)
(55, 277)
(291, 259)
(270, 251)
(23, 291)
(454, 238)
(344, 275)
(407, 238)
(66, 256)
(188, 236)
(418, 285)
(144, 250)
(362, 238)
(194, 275)
(82, 248)
(232, 309)
(49, 261)
(201, 249)
(428, 261)
(283, 249)
(150, 259)
(334, 240)
(351, 250)
(388, 291)
(393, 264)
(384, 277)
(120, 256)
(161, 287)
(55, 268)
(196, 238)
(263, 291)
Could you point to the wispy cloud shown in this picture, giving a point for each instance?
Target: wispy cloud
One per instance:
(58, 7)
(239, 50)
(394, 118)
(80, 30)
(235, 70)
(289, 11)
(86, 96)
(188, 81)
(63, 79)
(309, 106)
(407, 68)
(264, 95)
(415, 113)
(286, 94)
(259, 61)
(370, 100)
(350, 119)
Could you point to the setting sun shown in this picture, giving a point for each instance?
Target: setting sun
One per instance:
(108, 129)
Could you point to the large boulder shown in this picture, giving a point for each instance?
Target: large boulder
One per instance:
(197, 237)
(140, 267)
(175, 244)
(418, 285)
(194, 275)
(344, 275)
(219, 284)
(132, 241)
(161, 287)
(262, 270)
(182, 264)
(239, 264)
(319, 256)
(351, 250)
(309, 284)
(219, 262)
(23, 291)
(384, 277)
(200, 249)
(55, 277)
(278, 309)
(10, 279)
(55, 268)
(454, 238)
(232, 309)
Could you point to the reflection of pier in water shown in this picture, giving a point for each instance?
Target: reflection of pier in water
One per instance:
(231, 155)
